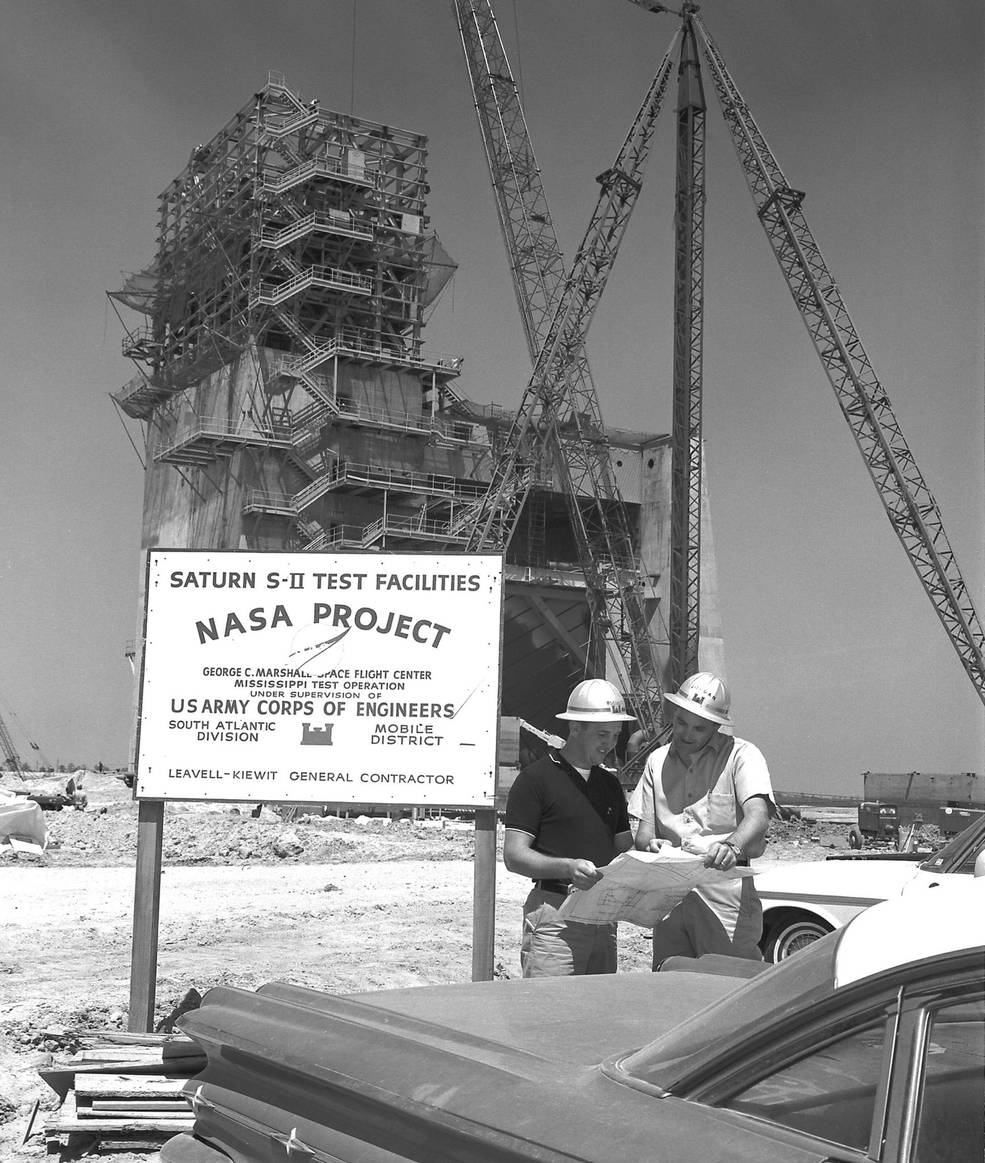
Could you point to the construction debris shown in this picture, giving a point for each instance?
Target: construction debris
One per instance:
(120, 1090)
(22, 827)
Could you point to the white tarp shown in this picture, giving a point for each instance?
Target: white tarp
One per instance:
(22, 825)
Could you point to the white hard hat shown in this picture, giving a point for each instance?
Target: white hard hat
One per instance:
(703, 694)
(596, 701)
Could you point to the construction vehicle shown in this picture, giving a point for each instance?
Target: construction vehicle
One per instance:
(877, 823)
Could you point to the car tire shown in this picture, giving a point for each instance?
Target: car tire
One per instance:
(855, 837)
(791, 934)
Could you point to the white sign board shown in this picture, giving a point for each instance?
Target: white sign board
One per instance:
(349, 678)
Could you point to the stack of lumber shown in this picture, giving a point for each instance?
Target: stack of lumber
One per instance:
(121, 1090)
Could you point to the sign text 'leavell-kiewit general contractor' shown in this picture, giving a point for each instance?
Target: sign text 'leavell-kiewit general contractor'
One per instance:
(357, 678)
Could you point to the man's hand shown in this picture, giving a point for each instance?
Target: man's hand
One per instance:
(584, 874)
(656, 844)
(721, 856)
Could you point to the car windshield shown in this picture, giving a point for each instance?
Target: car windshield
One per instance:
(794, 985)
(953, 849)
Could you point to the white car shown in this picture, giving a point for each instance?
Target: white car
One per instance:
(802, 902)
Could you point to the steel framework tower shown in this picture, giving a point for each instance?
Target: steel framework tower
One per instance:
(285, 322)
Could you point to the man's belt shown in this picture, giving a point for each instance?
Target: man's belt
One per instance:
(560, 886)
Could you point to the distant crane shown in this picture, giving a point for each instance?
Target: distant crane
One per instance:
(9, 748)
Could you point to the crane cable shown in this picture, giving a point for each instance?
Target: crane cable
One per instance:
(352, 65)
(519, 56)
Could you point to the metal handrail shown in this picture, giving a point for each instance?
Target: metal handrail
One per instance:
(274, 293)
(139, 337)
(260, 498)
(278, 126)
(348, 343)
(277, 182)
(192, 427)
(394, 523)
(135, 387)
(405, 421)
(417, 482)
(339, 535)
(316, 220)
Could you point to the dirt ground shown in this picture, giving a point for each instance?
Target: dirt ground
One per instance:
(332, 903)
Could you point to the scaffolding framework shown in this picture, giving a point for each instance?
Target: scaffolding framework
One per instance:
(296, 244)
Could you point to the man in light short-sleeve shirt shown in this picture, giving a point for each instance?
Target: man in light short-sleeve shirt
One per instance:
(709, 793)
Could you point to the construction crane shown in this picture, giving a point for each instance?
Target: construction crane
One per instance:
(686, 467)
(559, 420)
(536, 263)
(9, 748)
(908, 502)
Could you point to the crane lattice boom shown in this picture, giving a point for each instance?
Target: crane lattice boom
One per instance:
(864, 402)
(686, 468)
(559, 421)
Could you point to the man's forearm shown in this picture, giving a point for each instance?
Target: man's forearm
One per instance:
(537, 865)
(749, 835)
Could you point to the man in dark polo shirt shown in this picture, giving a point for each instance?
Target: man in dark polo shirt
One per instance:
(565, 820)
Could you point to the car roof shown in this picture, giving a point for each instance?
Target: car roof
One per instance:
(924, 922)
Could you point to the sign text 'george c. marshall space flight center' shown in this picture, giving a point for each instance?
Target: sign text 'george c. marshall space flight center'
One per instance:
(350, 678)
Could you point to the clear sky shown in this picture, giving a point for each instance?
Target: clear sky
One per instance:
(836, 656)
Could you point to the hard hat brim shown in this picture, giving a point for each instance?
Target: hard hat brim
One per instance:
(596, 717)
(697, 709)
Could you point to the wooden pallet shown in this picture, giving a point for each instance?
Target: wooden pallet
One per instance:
(121, 1091)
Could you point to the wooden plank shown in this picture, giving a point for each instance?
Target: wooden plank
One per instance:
(166, 1124)
(30, 1121)
(128, 1106)
(126, 1085)
(129, 1065)
(130, 1038)
(124, 1116)
(117, 1054)
(60, 1080)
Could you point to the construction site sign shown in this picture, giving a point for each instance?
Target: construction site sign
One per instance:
(352, 678)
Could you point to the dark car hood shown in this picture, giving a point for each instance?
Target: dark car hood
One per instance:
(560, 1018)
(493, 1071)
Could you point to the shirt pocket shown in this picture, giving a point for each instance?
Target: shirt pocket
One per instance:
(720, 811)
